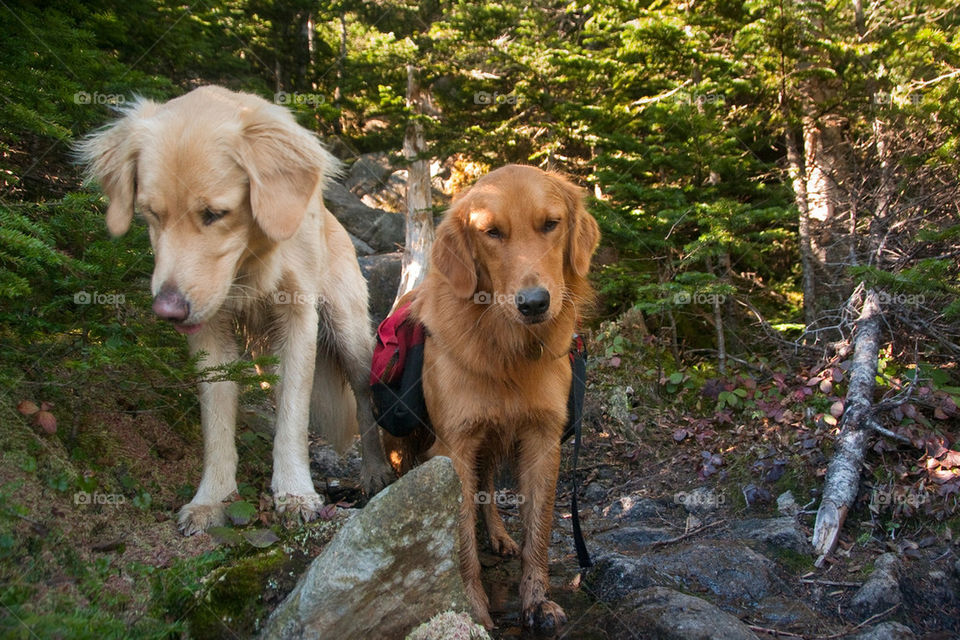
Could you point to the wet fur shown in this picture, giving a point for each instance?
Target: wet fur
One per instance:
(489, 398)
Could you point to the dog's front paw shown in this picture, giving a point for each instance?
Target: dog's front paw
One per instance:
(374, 477)
(503, 544)
(303, 508)
(545, 617)
(196, 517)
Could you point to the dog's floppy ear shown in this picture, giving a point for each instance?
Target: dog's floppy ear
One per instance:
(284, 162)
(583, 233)
(110, 157)
(451, 254)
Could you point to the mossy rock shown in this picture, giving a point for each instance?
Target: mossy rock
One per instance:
(237, 598)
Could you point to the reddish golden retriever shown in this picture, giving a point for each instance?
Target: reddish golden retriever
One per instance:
(501, 301)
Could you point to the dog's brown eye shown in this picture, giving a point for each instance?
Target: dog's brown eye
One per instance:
(210, 216)
(493, 232)
(550, 225)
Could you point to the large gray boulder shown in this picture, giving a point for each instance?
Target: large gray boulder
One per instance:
(390, 568)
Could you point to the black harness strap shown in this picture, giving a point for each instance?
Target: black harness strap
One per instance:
(578, 391)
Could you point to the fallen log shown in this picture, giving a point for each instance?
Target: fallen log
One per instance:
(843, 473)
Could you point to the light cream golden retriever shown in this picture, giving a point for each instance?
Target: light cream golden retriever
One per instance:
(230, 187)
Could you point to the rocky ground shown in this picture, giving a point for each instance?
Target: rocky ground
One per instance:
(691, 535)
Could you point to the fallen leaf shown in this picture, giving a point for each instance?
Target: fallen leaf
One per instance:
(27, 408)
(327, 512)
(46, 421)
(826, 386)
(224, 535)
(940, 476)
(260, 538)
(241, 512)
(950, 460)
(836, 409)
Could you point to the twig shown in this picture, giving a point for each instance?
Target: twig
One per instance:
(875, 426)
(862, 624)
(833, 636)
(661, 543)
(774, 632)
(830, 583)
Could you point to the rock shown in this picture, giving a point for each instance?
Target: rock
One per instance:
(594, 493)
(787, 504)
(361, 247)
(633, 538)
(781, 533)
(368, 173)
(931, 594)
(615, 576)
(734, 573)
(881, 590)
(884, 631)
(389, 568)
(383, 278)
(449, 626)
(391, 194)
(633, 507)
(619, 408)
(382, 230)
(788, 613)
(664, 614)
(325, 462)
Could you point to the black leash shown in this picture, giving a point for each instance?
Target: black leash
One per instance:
(579, 387)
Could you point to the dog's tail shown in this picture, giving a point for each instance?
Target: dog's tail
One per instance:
(333, 407)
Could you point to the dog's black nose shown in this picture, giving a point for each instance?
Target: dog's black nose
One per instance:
(170, 304)
(533, 301)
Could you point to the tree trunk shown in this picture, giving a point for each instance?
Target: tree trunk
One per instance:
(341, 65)
(797, 175)
(843, 472)
(419, 234)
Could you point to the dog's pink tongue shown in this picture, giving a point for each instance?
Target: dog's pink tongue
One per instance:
(188, 329)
